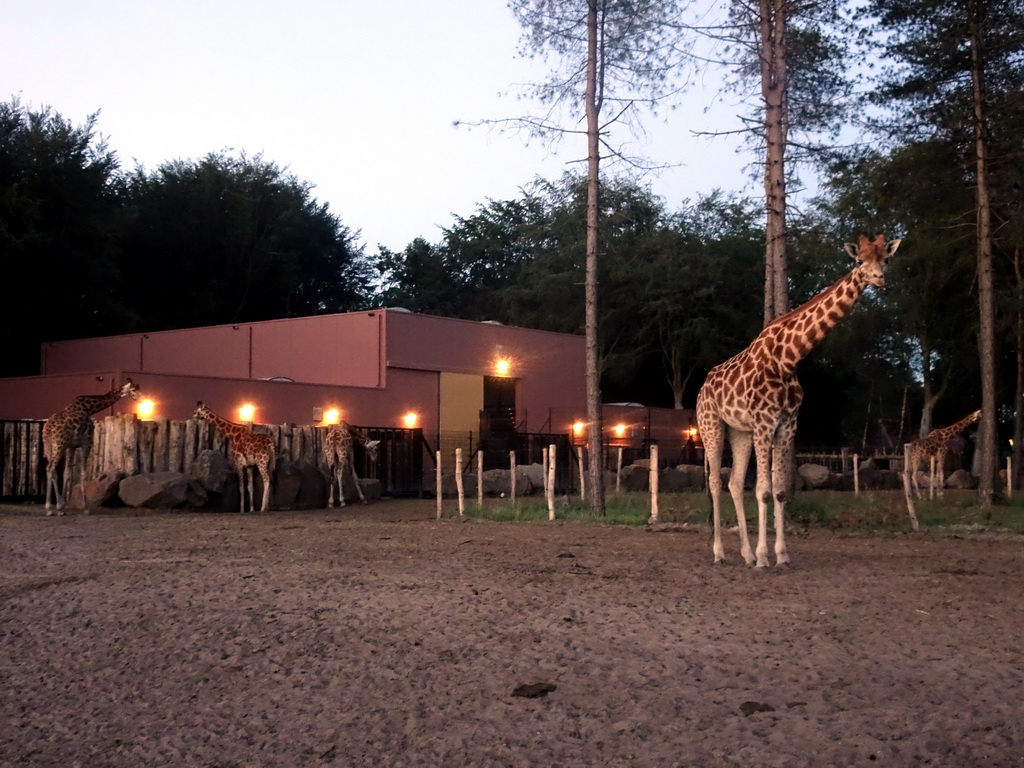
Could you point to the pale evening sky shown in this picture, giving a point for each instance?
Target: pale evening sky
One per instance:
(356, 98)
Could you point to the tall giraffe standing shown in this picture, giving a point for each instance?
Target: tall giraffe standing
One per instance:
(338, 450)
(68, 434)
(248, 451)
(755, 397)
(935, 444)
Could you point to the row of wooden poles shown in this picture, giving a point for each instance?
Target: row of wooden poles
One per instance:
(549, 480)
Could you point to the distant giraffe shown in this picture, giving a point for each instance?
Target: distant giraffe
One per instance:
(67, 435)
(935, 445)
(338, 451)
(754, 397)
(248, 450)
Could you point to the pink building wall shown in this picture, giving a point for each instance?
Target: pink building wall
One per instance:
(375, 365)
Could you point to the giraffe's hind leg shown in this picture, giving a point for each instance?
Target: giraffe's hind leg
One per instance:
(265, 475)
(359, 487)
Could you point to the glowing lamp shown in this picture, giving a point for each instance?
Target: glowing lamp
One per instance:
(410, 419)
(145, 409)
(246, 412)
(502, 366)
(577, 428)
(692, 432)
(619, 430)
(332, 416)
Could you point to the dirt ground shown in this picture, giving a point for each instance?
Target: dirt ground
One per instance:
(377, 636)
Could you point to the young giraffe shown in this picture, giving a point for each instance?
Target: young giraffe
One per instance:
(68, 433)
(248, 450)
(755, 397)
(338, 450)
(935, 444)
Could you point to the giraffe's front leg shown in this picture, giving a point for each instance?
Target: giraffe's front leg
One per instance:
(763, 493)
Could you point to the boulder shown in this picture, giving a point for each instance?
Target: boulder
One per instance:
(635, 478)
(313, 490)
(285, 486)
(499, 481)
(694, 475)
(161, 490)
(814, 475)
(212, 470)
(962, 480)
(869, 473)
(535, 472)
(102, 490)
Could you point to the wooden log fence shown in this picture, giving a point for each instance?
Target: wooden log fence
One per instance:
(123, 443)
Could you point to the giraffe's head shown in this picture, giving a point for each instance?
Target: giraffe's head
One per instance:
(371, 449)
(202, 411)
(130, 389)
(872, 257)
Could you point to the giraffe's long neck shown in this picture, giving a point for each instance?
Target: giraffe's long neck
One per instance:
(227, 428)
(791, 337)
(954, 429)
(91, 404)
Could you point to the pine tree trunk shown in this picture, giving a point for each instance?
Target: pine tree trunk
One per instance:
(986, 293)
(772, 30)
(593, 373)
(1018, 417)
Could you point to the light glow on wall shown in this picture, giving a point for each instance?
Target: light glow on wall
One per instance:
(145, 409)
(410, 420)
(502, 366)
(332, 416)
(247, 412)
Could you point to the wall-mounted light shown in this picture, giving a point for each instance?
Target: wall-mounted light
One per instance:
(691, 433)
(145, 409)
(619, 430)
(577, 428)
(332, 416)
(410, 420)
(502, 366)
(247, 412)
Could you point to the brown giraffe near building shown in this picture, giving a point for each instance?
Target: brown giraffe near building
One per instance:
(67, 435)
(936, 445)
(248, 450)
(338, 450)
(754, 397)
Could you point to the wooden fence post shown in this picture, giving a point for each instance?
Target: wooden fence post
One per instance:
(438, 486)
(458, 481)
(907, 490)
(549, 482)
(480, 478)
(654, 483)
(580, 454)
(512, 476)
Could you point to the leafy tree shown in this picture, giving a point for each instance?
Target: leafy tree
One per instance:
(698, 275)
(419, 279)
(234, 239)
(57, 209)
(954, 64)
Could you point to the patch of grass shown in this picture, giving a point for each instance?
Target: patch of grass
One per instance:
(884, 511)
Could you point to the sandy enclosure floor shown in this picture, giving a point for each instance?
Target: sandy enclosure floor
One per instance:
(377, 636)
